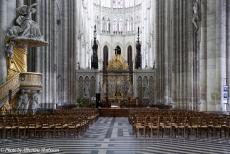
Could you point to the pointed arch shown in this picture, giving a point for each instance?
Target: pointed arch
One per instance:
(105, 56)
(129, 55)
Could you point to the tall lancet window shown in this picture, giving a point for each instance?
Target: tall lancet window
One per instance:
(105, 55)
(130, 54)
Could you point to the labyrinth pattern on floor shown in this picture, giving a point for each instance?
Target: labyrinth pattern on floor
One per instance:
(114, 136)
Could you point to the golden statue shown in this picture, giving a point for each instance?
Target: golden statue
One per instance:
(117, 63)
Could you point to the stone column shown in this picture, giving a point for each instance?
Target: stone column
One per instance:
(3, 25)
(203, 57)
(211, 63)
(216, 74)
(173, 61)
(221, 53)
(228, 47)
(166, 62)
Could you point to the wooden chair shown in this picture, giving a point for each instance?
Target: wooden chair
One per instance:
(9, 125)
(73, 127)
(203, 126)
(22, 126)
(32, 126)
(180, 126)
(192, 126)
(140, 124)
(166, 126)
(2, 126)
(59, 126)
(154, 125)
(46, 126)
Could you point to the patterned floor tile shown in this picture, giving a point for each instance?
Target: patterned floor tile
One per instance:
(114, 136)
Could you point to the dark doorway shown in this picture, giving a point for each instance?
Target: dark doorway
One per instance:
(130, 55)
(105, 56)
(117, 50)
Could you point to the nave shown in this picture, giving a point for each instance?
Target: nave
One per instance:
(109, 135)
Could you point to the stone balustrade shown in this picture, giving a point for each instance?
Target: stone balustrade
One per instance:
(30, 81)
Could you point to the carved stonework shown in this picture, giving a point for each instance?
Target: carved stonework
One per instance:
(196, 14)
(28, 101)
(117, 63)
(24, 25)
(34, 101)
(138, 61)
(94, 63)
(21, 36)
(23, 102)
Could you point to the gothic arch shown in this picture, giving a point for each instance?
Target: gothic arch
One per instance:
(101, 47)
(145, 81)
(93, 86)
(105, 55)
(130, 55)
(145, 87)
(81, 86)
(151, 90)
(87, 87)
(120, 45)
(139, 87)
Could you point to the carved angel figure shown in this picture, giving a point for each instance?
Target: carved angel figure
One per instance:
(25, 26)
(35, 101)
(23, 102)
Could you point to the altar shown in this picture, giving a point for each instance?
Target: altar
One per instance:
(117, 82)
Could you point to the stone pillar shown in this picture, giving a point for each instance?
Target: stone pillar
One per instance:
(216, 47)
(173, 74)
(221, 53)
(211, 48)
(203, 57)
(228, 48)
(3, 25)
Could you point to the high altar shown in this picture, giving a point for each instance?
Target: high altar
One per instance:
(117, 82)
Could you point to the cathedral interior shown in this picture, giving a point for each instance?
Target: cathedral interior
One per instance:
(114, 76)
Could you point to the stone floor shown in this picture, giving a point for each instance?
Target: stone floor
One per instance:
(114, 136)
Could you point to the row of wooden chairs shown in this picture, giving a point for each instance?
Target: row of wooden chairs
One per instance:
(56, 124)
(179, 123)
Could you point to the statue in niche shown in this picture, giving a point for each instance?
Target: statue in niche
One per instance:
(86, 91)
(35, 101)
(196, 14)
(23, 102)
(12, 67)
(24, 25)
(10, 49)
